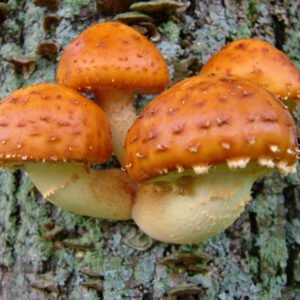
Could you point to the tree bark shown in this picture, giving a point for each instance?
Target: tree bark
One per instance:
(48, 253)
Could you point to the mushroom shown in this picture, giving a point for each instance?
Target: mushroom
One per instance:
(47, 3)
(114, 61)
(133, 17)
(53, 133)
(260, 62)
(198, 147)
(159, 7)
(4, 10)
(48, 48)
(50, 22)
(112, 7)
(22, 65)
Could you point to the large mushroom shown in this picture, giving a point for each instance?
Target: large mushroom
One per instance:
(54, 133)
(197, 149)
(260, 62)
(116, 62)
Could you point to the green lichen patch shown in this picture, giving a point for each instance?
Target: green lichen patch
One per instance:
(171, 30)
(8, 217)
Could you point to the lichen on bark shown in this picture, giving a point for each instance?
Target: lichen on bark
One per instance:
(47, 253)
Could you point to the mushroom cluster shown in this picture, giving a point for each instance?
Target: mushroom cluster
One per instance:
(115, 62)
(197, 149)
(191, 156)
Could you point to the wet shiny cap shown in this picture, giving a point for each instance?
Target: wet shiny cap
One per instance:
(259, 62)
(208, 120)
(50, 122)
(113, 55)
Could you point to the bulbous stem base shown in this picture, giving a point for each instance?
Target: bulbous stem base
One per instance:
(106, 194)
(193, 209)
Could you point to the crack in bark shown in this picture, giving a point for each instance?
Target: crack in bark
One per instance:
(291, 194)
(279, 31)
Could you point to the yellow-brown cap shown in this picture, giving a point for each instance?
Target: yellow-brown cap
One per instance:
(113, 55)
(50, 122)
(208, 120)
(260, 62)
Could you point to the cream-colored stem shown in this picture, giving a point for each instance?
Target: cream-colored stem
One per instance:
(118, 104)
(105, 194)
(194, 208)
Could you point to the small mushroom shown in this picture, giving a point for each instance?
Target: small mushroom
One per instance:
(44, 282)
(200, 184)
(47, 3)
(48, 48)
(112, 7)
(260, 62)
(95, 284)
(133, 17)
(51, 21)
(167, 7)
(148, 29)
(53, 133)
(185, 291)
(116, 62)
(4, 10)
(22, 65)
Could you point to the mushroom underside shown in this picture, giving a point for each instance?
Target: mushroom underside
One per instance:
(77, 188)
(194, 208)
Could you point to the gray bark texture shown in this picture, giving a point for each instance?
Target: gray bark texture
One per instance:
(48, 253)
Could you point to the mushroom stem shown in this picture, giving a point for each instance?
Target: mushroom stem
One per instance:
(194, 208)
(103, 194)
(118, 104)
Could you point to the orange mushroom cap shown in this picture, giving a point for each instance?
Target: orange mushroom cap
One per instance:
(112, 54)
(259, 62)
(209, 120)
(49, 122)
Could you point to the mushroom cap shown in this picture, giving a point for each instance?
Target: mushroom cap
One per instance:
(50, 122)
(113, 55)
(208, 120)
(259, 62)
